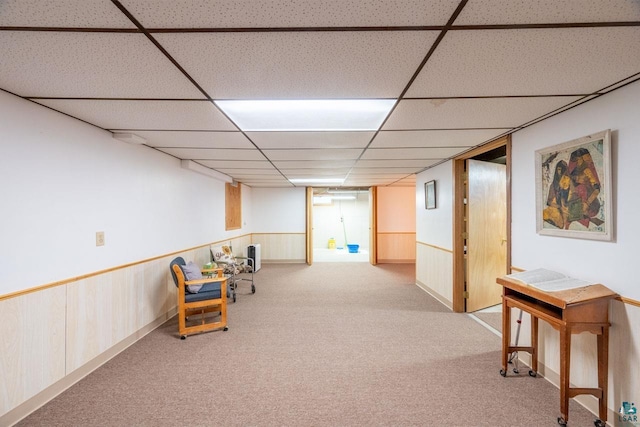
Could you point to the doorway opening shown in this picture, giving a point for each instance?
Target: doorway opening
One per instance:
(481, 225)
(340, 225)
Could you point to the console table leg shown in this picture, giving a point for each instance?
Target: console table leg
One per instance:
(603, 371)
(534, 344)
(565, 369)
(506, 336)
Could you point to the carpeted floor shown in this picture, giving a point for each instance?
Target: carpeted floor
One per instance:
(326, 345)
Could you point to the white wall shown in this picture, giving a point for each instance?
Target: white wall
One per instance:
(434, 231)
(62, 180)
(435, 226)
(610, 263)
(278, 210)
(327, 222)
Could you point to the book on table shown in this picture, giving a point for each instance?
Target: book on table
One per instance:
(548, 280)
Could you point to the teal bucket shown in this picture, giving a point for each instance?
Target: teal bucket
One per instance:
(353, 249)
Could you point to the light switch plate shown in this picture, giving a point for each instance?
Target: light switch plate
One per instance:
(99, 238)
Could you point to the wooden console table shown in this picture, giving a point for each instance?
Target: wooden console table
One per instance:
(570, 311)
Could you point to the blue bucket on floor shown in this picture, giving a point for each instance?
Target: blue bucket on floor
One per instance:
(353, 249)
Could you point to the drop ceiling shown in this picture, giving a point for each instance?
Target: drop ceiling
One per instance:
(460, 74)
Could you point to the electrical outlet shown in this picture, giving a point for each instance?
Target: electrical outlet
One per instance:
(99, 238)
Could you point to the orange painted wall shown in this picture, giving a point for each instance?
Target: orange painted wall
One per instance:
(396, 209)
(396, 224)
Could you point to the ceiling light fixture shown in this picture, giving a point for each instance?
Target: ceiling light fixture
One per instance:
(321, 200)
(343, 197)
(344, 191)
(307, 115)
(195, 167)
(130, 138)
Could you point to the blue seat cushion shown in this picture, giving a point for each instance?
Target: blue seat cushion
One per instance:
(208, 291)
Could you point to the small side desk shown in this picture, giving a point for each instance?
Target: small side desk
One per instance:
(570, 311)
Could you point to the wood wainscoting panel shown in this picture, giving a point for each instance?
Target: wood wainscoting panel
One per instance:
(434, 271)
(397, 247)
(281, 247)
(101, 311)
(156, 292)
(32, 345)
(239, 244)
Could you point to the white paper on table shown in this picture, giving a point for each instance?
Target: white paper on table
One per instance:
(548, 280)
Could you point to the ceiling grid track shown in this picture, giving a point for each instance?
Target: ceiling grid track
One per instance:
(458, 74)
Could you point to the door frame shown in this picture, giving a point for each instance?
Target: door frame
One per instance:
(309, 225)
(459, 178)
(373, 225)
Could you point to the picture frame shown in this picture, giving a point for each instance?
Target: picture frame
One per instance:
(573, 188)
(430, 194)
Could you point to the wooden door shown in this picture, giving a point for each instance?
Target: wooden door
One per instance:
(486, 233)
(309, 226)
(373, 225)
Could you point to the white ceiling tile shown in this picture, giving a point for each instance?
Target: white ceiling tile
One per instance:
(239, 176)
(368, 182)
(258, 178)
(378, 176)
(315, 172)
(486, 12)
(413, 153)
(384, 171)
(300, 65)
(408, 163)
(281, 13)
(198, 139)
(213, 154)
(269, 184)
(143, 115)
(62, 13)
(313, 154)
(474, 113)
(295, 164)
(558, 61)
(239, 164)
(269, 140)
(96, 65)
(474, 82)
(249, 172)
(435, 138)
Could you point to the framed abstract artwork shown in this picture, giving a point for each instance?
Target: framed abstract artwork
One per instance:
(573, 188)
(430, 195)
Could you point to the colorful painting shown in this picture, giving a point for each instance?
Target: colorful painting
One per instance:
(573, 188)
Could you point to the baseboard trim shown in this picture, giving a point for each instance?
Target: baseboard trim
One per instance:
(283, 261)
(396, 261)
(36, 402)
(590, 403)
(434, 294)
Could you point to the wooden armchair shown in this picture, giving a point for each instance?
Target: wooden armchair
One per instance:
(210, 298)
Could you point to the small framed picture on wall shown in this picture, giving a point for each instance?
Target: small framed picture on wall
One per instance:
(430, 195)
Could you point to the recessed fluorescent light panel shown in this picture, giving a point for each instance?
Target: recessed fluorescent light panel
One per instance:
(307, 115)
(343, 197)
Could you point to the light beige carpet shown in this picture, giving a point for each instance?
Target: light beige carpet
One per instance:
(327, 345)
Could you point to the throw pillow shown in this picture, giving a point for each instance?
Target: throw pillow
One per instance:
(192, 272)
(222, 254)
